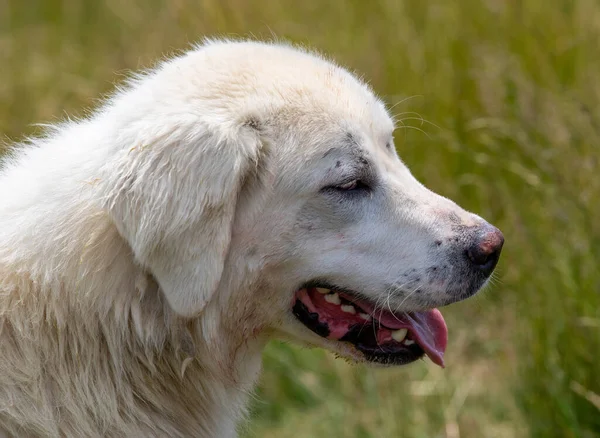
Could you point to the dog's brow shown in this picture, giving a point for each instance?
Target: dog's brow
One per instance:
(351, 139)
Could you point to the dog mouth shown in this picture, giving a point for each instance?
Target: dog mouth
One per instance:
(382, 336)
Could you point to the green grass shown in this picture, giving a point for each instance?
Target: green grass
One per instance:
(500, 100)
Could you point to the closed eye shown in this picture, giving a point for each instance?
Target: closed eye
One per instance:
(355, 185)
(350, 185)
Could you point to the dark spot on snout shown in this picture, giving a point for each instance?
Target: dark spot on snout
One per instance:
(338, 164)
(437, 273)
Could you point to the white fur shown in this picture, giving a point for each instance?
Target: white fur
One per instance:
(148, 253)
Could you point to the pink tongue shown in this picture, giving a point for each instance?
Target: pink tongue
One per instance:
(427, 328)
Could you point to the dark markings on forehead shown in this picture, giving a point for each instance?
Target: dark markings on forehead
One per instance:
(349, 147)
(361, 159)
(358, 153)
(351, 140)
(354, 143)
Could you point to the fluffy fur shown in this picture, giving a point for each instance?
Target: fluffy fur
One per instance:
(149, 252)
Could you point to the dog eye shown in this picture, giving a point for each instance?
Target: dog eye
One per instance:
(353, 185)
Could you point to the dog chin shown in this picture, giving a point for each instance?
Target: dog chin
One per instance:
(297, 334)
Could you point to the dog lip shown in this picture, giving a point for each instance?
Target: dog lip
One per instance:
(364, 341)
(428, 328)
(325, 315)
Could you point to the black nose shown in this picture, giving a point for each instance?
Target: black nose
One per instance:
(485, 250)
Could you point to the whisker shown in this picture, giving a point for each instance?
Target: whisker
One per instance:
(399, 117)
(407, 297)
(403, 100)
(421, 119)
(415, 128)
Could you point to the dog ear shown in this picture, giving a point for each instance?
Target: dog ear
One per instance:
(173, 198)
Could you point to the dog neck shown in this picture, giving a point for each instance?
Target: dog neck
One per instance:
(104, 352)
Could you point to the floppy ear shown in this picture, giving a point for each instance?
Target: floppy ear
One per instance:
(173, 198)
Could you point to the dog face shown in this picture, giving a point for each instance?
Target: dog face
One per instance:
(283, 169)
(360, 251)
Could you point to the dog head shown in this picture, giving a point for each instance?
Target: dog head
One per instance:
(257, 164)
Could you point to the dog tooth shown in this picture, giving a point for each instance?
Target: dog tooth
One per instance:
(322, 290)
(333, 298)
(408, 342)
(399, 335)
(364, 316)
(348, 308)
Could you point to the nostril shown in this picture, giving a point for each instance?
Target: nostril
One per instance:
(479, 256)
(486, 250)
(474, 255)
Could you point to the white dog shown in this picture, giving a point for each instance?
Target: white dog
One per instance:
(240, 192)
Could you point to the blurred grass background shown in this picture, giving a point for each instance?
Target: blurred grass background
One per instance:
(499, 101)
